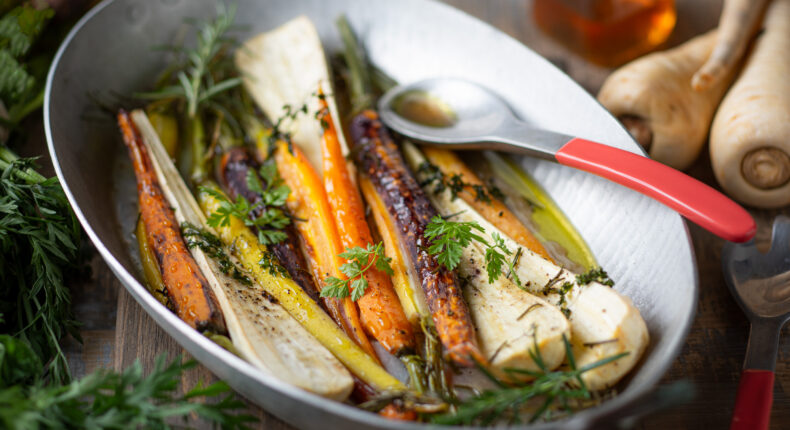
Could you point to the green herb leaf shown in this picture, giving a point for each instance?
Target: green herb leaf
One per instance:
(360, 260)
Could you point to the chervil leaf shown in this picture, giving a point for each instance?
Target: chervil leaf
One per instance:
(335, 287)
(358, 287)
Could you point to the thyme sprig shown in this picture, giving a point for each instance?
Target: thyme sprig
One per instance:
(439, 181)
(360, 260)
(563, 390)
(197, 237)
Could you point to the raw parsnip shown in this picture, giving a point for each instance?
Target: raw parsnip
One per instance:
(739, 21)
(652, 97)
(750, 136)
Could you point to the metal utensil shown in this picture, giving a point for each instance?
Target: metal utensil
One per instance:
(760, 284)
(478, 119)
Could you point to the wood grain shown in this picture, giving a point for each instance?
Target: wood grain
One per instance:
(117, 331)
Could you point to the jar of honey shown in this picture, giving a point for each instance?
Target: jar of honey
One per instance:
(607, 32)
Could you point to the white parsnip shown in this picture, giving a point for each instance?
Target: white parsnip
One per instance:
(261, 330)
(653, 98)
(286, 67)
(750, 136)
(603, 323)
(739, 21)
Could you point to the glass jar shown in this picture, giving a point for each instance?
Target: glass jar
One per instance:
(607, 32)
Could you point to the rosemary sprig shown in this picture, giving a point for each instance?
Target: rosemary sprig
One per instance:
(194, 81)
(550, 390)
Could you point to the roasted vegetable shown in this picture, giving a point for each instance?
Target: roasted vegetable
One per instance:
(322, 244)
(510, 322)
(236, 165)
(262, 331)
(380, 309)
(187, 289)
(378, 159)
(299, 304)
(472, 190)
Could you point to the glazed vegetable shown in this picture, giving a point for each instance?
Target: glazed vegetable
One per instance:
(750, 137)
(603, 322)
(534, 206)
(652, 97)
(380, 310)
(262, 331)
(151, 271)
(188, 291)
(299, 304)
(475, 194)
(282, 79)
(379, 160)
(322, 244)
(510, 322)
(235, 167)
(740, 20)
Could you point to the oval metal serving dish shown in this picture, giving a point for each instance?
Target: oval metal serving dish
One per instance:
(644, 246)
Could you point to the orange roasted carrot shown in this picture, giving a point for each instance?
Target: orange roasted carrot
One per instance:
(380, 310)
(187, 289)
(493, 211)
(309, 206)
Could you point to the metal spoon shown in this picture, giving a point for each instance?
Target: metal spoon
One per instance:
(464, 115)
(760, 284)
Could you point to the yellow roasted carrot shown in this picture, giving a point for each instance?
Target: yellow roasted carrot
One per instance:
(308, 204)
(298, 304)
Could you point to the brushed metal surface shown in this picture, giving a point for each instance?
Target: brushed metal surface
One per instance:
(643, 245)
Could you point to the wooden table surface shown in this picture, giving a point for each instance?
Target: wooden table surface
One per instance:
(116, 331)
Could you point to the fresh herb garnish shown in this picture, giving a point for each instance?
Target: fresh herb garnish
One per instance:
(270, 263)
(271, 217)
(360, 260)
(433, 176)
(194, 80)
(550, 390)
(106, 399)
(212, 246)
(449, 238)
(595, 274)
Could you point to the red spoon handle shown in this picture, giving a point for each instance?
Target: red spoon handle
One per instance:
(753, 402)
(691, 198)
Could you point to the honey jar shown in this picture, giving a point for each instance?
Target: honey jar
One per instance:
(607, 32)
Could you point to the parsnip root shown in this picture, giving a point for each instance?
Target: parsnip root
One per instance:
(750, 136)
(652, 98)
(739, 22)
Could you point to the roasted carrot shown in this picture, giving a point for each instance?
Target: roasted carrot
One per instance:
(235, 165)
(187, 289)
(309, 206)
(493, 210)
(379, 159)
(380, 310)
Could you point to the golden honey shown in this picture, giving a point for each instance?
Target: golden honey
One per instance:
(607, 32)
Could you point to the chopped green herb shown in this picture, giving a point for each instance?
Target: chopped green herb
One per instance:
(360, 260)
(434, 177)
(270, 263)
(595, 274)
(212, 246)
